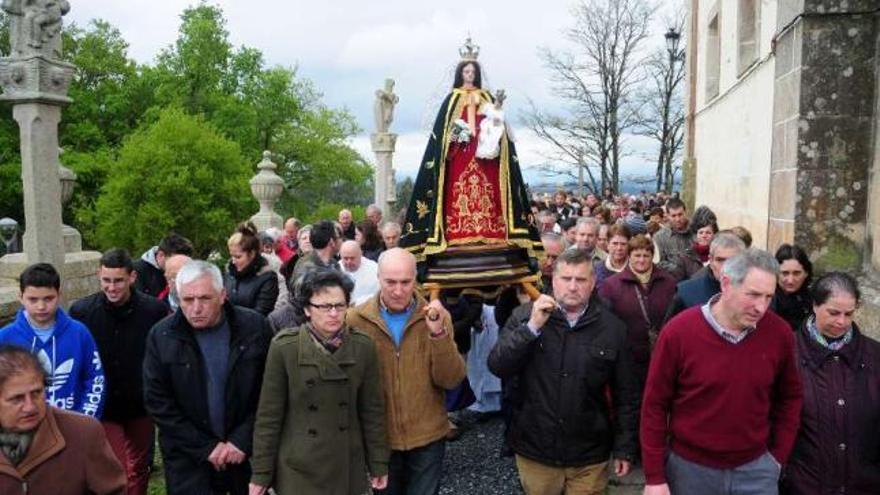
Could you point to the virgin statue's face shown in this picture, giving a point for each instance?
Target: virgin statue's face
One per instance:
(468, 74)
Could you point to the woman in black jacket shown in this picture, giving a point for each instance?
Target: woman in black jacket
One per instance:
(367, 235)
(249, 282)
(838, 444)
(792, 300)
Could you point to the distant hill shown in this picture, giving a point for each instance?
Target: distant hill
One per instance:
(627, 186)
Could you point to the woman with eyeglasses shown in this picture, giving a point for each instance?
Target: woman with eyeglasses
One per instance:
(320, 422)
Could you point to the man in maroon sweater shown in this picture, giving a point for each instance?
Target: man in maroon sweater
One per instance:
(723, 397)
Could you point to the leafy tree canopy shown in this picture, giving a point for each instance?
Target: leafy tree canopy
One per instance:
(211, 85)
(179, 174)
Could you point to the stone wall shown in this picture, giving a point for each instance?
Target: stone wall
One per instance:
(873, 241)
(824, 119)
(730, 168)
(733, 142)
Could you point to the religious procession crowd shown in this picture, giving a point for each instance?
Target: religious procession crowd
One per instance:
(312, 364)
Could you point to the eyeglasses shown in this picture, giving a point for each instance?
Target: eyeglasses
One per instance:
(326, 308)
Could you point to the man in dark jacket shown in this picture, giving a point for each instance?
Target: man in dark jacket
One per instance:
(119, 318)
(698, 290)
(202, 376)
(675, 238)
(564, 352)
(151, 267)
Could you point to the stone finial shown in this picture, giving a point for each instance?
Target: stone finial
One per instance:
(68, 180)
(267, 187)
(35, 27)
(383, 109)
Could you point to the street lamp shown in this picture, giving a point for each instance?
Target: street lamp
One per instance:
(672, 38)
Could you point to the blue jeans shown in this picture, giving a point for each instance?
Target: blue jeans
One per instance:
(416, 471)
(758, 477)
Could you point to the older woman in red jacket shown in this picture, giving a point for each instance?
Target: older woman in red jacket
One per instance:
(639, 295)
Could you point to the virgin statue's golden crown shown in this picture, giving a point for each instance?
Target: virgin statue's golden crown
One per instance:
(469, 51)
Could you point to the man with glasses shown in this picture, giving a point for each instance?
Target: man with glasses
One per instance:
(552, 249)
(419, 361)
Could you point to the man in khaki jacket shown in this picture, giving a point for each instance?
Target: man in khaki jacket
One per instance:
(418, 361)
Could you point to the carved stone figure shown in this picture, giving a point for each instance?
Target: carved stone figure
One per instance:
(383, 110)
(35, 26)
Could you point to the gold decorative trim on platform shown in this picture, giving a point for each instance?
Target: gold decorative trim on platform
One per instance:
(471, 277)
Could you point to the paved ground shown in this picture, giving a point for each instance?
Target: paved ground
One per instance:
(474, 467)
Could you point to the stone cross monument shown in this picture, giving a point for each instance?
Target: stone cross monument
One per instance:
(35, 82)
(383, 146)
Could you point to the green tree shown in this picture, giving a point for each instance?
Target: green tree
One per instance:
(103, 111)
(319, 163)
(404, 193)
(198, 62)
(10, 163)
(180, 175)
(262, 109)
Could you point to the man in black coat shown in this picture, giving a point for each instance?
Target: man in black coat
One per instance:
(202, 376)
(119, 318)
(563, 352)
(151, 267)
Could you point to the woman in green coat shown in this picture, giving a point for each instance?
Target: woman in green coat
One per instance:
(320, 422)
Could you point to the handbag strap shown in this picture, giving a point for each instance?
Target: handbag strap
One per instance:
(642, 305)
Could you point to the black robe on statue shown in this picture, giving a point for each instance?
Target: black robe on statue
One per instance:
(424, 230)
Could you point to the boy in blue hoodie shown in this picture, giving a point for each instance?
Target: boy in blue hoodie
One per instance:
(64, 345)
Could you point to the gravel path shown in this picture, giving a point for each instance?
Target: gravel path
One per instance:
(473, 465)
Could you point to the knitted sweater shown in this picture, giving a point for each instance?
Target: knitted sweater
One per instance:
(720, 404)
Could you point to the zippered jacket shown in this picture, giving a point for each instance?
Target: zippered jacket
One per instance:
(120, 333)
(561, 377)
(175, 395)
(415, 375)
(71, 360)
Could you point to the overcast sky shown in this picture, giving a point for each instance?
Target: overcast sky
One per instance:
(348, 48)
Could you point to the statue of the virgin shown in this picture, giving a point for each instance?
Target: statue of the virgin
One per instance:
(469, 217)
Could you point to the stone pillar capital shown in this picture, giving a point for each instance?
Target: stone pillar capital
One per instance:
(35, 79)
(383, 142)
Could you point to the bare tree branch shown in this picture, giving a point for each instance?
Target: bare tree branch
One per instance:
(598, 78)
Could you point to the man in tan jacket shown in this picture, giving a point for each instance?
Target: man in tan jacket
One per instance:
(418, 361)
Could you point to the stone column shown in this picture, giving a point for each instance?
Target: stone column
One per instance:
(385, 194)
(35, 81)
(267, 187)
(38, 123)
(383, 143)
(823, 120)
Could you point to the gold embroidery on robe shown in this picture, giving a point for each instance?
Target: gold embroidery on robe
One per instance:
(473, 199)
(422, 209)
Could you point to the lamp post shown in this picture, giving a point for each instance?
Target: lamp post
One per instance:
(673, 39)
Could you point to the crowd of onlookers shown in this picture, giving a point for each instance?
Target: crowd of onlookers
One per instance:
(311, 363)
